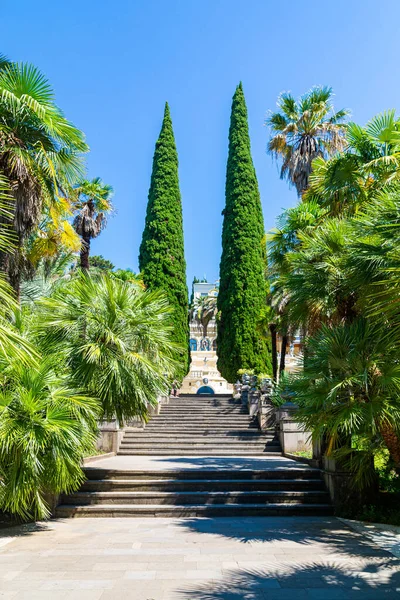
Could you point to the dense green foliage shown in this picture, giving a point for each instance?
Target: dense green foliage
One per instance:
(161, 259)
(46, 427)
(93, 347)
(40, 157)
(334, 262)
(74, 348)
(242, 291)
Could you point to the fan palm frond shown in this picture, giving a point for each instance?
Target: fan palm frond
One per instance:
(302, 131)
(116, 339)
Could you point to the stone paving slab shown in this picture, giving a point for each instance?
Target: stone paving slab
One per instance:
(382, 534)
(178, 463)
(249, 558)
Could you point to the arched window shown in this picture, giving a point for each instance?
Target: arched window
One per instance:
(193, 345)
(214, 345)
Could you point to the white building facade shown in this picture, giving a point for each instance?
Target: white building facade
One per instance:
(204, 376)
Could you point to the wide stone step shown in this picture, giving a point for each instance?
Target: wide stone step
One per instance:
(198, 442)
(209, 485)
(208, 444)
(204, 410)
(199, 497)
(192, 415)
(188, 433)
(199, 415)
(207, 424)
(222, 510)
(203, 407)
(253, 427)
(198, 452)
(204, 422)
(247, 434)
(202, 438)
(217, 474)
(197, 431)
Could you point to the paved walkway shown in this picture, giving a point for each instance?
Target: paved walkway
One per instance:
(194, 559)
(172, 463)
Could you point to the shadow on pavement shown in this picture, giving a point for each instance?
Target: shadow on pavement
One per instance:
(317, 580)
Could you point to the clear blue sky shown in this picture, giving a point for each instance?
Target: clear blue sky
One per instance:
(113, 65)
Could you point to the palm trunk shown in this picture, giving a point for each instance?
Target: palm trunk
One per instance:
(392, 442)
(272, 329)
(85, 251)
(304, 333)
(283, 353)
(10, 266)
(15, 282)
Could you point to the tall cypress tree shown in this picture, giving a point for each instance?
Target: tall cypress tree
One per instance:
(242, 292)
(161, 259)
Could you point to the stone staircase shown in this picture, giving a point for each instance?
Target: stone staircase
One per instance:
(190, 493)
(200, 427)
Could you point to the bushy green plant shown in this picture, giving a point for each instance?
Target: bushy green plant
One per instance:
(241, 372)
(389, 478)
(46, 427)
(115, 339)
(350, 387)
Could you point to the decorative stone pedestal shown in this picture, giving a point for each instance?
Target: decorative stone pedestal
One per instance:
(110, 436)
(292, 435)
(253, 402)
(266, 415)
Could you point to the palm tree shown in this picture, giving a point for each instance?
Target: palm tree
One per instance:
(92, 203)
(39, 155)
(303, 130)
(203, 311)
(350, 387)
(114, 337)
(46, 427)
(283, 244)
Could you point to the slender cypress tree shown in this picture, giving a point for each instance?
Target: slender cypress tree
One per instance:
(242, 292)
(161, 258)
